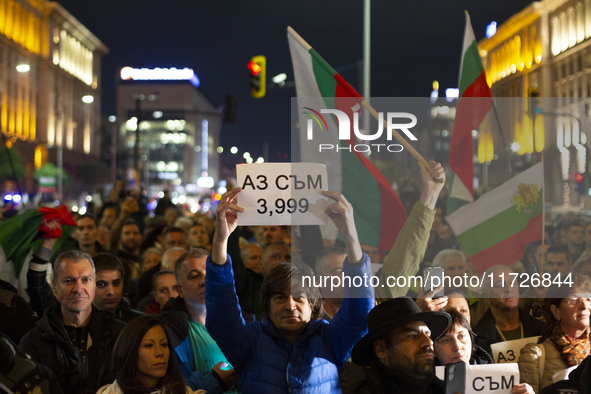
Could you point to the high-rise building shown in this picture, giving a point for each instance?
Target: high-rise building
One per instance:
(177, 127)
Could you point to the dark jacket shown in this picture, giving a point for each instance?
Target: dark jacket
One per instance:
(20, 374)
(380, 380)
(480, 356)
(16, 316)
(487, 334)
(248, 283)
(49, 344)
(579, 381)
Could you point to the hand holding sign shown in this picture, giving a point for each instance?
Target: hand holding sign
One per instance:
(226, 223)
(509, 351)
(282, 193)
(522, 388)
(490, 378)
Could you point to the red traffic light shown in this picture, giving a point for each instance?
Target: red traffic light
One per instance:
(254, 68)
(578, 177)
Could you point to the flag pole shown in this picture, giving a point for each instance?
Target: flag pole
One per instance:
(503, 138)
(396, 135)
(372, 111)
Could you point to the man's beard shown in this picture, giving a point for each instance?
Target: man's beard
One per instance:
(418, 369)
(129, 248)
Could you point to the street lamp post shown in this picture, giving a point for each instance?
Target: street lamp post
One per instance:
(136, 150)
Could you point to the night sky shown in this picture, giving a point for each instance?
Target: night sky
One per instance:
(413, 43)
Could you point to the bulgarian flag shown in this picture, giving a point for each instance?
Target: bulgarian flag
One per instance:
(26, 231)
(379, 213)
(469, 115)
(495, 229)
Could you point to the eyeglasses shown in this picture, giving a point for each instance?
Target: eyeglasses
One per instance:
(576, 301)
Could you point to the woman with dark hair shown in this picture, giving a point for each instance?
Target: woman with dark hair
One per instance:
(141, 357)
(565, 343)
(457, 344)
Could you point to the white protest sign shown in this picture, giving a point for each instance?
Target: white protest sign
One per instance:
(488, 378)
(563, 375)
(282, 193)
(509, 351)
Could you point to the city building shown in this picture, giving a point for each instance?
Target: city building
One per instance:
(50, 88)
(178, 131)
(541, 59)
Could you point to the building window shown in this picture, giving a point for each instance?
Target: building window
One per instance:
(556, 35)
(563, 32)
(572, 34)
(580, 17)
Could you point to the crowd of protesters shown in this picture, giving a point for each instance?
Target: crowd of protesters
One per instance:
(176, 302)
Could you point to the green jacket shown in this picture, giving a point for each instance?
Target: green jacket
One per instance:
(406, 254)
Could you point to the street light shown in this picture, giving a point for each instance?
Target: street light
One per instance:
(279, 79)
(87, 99)
(23, 68)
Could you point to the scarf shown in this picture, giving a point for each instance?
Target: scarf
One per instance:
(572, 350)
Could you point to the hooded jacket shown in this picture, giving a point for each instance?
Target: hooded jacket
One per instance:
(49, 344)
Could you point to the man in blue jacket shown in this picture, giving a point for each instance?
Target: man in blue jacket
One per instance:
(289, 350)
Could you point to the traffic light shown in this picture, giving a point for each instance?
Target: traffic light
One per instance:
(258, 76)
(535, 105)
(580, 180)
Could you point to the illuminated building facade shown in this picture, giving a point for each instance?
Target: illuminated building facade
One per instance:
(49, 85)
(545, 50)
(179, 130)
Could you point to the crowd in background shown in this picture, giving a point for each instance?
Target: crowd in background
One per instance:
(134, 301)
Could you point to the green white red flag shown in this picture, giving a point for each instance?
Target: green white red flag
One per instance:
(379, 213)
(495, 228)
(470, 113)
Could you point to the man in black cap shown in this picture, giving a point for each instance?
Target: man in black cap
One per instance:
(398, 349)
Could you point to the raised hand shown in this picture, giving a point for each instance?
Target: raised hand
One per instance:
(341, 213)
(433, 182)
(52, 225)
(129, 206)
(430, 304)
(226, 223)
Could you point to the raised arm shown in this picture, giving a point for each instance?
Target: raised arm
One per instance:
(128, 207)
(39, 290)
(224, 320)
(226, 223)
(350, 322)
(341, 213)
(408, 250)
